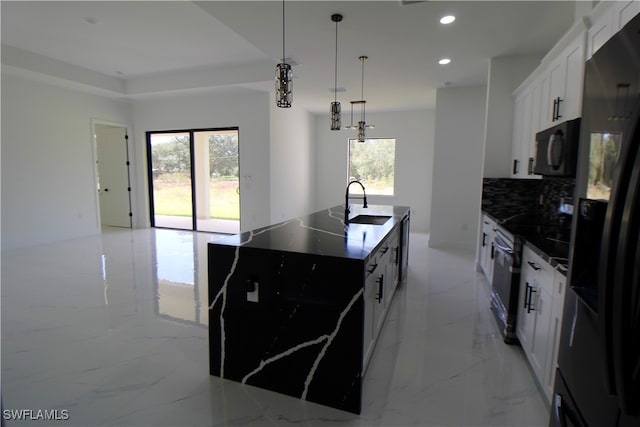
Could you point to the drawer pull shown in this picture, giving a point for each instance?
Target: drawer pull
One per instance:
(534, 265)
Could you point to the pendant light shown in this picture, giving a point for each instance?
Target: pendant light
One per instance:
(362, 124)
(335, 108)
(284, 85)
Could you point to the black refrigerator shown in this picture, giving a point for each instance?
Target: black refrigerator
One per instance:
(598, 377)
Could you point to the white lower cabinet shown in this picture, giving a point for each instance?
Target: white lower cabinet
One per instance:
(540, 316)
(559, 284)
(382, 278)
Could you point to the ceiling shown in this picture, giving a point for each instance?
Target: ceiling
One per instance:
(180, 46)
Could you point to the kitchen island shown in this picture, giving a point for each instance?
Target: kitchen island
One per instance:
(296, 307)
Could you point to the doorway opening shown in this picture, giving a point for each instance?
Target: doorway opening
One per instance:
(113, 178)
(194, 179)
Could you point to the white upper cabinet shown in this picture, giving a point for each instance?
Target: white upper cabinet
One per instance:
(516, 139)
(607, 19)
(566, 76)
(551, 95)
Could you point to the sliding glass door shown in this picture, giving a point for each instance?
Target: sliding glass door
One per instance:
(194, 180)
(171, 181)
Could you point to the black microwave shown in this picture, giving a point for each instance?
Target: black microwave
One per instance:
(557, 150)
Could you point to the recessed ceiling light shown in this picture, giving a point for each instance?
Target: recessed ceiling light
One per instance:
(444, 61)
(447, 19)
(90, 20)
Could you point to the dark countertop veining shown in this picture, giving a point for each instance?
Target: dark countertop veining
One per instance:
(323, 233)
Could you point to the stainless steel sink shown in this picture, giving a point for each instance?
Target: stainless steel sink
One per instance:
(369, 219)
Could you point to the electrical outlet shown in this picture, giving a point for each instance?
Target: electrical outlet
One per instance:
(252, 287)
(253, 296)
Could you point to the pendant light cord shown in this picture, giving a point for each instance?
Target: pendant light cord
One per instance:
(335, 74)
(362, 88)
(283, 57)
(362, 59)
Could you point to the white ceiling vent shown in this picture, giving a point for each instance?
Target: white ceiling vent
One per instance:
(408, 2)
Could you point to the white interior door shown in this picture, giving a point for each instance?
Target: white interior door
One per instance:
(113, 175)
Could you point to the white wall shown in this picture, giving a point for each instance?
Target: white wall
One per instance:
(248, 110)
(457, 167)
(505, 75)
(48, 174)
(414, 133)
(292, 162)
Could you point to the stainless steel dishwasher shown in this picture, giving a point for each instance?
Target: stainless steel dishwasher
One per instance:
(506, 283)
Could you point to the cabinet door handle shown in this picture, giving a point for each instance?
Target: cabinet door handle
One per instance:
(396, 250)
(530, 307)
(384, 250)
(484, 239)
(515, 166)
(380, 288)
(553, 114)
(493, 251)
(526, 295)
(531, 161)
(534, 265)
(558, 115)
(372, 268)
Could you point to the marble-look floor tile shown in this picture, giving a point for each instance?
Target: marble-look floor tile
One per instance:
(113, 329)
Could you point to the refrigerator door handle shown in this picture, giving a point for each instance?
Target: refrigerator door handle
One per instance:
(618, 301)
(626, 301)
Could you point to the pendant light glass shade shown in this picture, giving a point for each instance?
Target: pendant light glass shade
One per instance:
(361, 128)
(284, 76)
(362, 124)
(336, 120)
(284, 85)
(335, 108)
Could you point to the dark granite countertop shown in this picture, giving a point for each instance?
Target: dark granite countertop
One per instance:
(552, 250)
(323, 233)
(549, 241)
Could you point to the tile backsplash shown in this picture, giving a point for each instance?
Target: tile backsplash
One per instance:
(538, 199)
(553, 190)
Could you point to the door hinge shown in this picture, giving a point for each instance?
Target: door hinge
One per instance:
(126, 137)
(128, 163)
(129, 189)
(131, 214)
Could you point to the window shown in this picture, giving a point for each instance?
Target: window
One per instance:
(372, 162)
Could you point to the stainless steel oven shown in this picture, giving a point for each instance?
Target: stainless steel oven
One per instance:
(506, 283)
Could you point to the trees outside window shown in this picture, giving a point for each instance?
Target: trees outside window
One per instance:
(372, 162)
